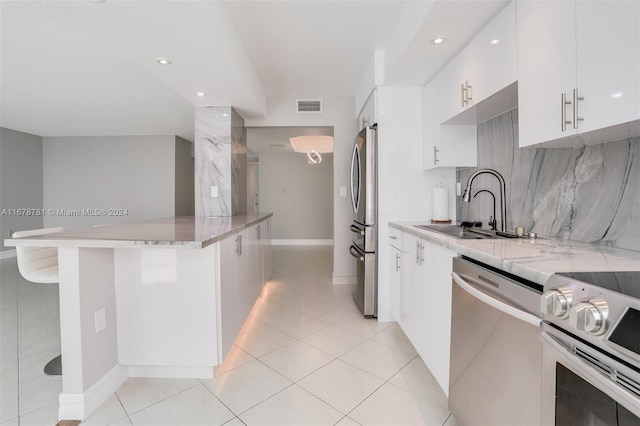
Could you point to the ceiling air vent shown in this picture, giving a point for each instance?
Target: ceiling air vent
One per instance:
(309, 106)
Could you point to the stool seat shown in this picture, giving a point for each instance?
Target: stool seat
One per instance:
(40, 265)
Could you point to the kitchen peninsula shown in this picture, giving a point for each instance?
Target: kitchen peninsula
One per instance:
(158, 298)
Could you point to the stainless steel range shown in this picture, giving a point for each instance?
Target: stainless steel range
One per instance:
(591, 333)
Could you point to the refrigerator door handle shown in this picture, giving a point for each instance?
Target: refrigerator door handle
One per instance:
(355, 197)
(356, 253)
(357, 229)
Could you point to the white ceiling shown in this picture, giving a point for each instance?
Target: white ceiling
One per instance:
(81, 68)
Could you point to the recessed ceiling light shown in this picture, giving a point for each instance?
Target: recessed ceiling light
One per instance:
(96, 1)
(438, 40)
(494, 41)
(163, 61)
(201, 94)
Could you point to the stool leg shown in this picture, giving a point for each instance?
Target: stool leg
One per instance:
(54, 367)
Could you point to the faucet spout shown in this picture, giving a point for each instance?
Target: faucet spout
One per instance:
(466, 196)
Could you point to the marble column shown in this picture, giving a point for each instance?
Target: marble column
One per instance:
(220, 162)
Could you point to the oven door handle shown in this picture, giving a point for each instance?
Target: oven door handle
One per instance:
(501, 306)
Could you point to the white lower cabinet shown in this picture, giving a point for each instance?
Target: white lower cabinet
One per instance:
(395, 272)
(241, 258)
(425, 307)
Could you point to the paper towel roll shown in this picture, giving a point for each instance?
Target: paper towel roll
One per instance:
(440, 204)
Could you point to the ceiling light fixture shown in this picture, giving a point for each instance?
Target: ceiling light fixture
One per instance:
(163, 61)
(201, 94)
(494, 41)
(313, 157)
(321, 144)
(438, 40)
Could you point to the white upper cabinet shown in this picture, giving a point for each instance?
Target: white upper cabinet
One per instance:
(485, 66)
(444, 146)
(578, 68)
(608, 59)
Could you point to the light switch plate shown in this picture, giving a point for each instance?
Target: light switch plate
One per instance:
(100, 319)
(343, 191)
(458, 189)
(214, 192)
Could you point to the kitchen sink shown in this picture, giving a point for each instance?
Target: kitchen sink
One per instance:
(458, 231)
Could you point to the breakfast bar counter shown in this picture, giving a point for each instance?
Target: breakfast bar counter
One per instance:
(144, 299)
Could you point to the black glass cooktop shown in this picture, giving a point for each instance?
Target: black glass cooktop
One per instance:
(623, 282)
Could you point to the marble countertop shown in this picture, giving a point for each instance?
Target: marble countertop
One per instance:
(192, 232)
(535, 260)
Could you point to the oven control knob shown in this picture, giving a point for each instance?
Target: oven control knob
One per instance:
(590, 316)
(557, 302)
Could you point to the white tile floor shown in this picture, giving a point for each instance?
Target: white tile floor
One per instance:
(305, 357)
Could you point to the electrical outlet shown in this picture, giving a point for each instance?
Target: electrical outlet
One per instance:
(343, 191)
(458, 189)
(100, 319)
(214, 192)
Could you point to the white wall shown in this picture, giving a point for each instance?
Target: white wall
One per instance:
(404, 188)
(339, 113)
(125, 172)
(184, 181)
(20, 180)
(299, 195)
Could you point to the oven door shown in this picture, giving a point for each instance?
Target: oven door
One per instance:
(583, 386)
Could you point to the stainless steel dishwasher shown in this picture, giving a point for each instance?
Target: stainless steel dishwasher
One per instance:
(496, 351)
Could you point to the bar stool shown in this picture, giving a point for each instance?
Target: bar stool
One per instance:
(40, 265)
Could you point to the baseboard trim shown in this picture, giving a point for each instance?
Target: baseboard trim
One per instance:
(80, 406)
(344, 280)
(171, 372)
(6, 254)
(297, 242)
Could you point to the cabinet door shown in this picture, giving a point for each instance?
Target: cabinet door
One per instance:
(608, 43)
(230, 321)
(413, 287)
(436, 333)
(492, 55)
(395, 282)
(430, 124)
(454, 75)
(546, 33)
(265, 237)
(444, 145)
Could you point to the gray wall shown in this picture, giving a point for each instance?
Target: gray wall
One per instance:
(136, 173)
(184, 191)
(298, 194)
(589, 194)
(20, 180)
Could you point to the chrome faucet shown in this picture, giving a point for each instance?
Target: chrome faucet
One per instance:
(466, 196)
(492, 219)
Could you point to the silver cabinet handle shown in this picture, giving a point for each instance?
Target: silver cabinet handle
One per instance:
(468, 91)
(397, 262)
(421, 253)
(563, 109)
(239, 245)
(417, 252)
(393, 237)
(435, 155)
(576, 117)
(462, 95)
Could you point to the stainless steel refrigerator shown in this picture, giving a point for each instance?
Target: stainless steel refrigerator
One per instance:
(364, 199)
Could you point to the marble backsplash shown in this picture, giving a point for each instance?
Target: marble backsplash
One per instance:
(589, 194)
